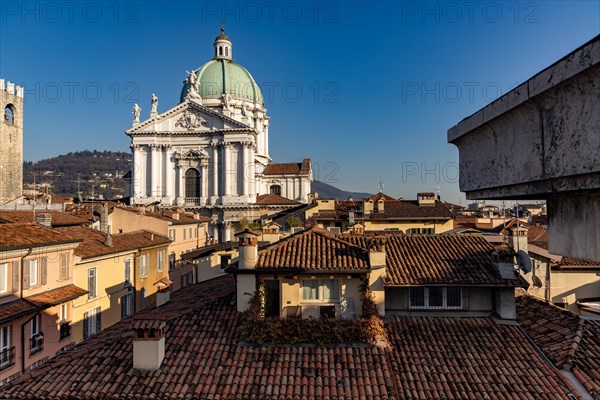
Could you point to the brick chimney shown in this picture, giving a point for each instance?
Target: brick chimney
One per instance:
(148, 343)
(426, 199)
(377, 260)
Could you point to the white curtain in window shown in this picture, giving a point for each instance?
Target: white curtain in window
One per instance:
(310, 290)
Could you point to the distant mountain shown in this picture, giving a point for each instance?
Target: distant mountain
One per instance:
(93, 172)
(331, 192)
(89, 172)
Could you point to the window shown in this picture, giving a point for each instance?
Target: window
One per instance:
(321, 289)
(144, 265)
(184, 231)
(275, 189)
(64, 312)
(126, 305)
(16, 282)
(36, 343)
(3, 277)
(6, 352)
(172, 234)
(91, 283)
(33, 272)
(187, 279)
(127, 268)
(192, 183)
(65, 325)
(436, 297)
(171, 261)
(160, 260)
(143, 298)
(92, 322)
(64, 266)
(191, 235)
(225, 259)
(9, 114)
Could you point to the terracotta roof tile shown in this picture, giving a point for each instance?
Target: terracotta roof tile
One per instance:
(566, 263)
(274, 200)
(16, 309)
(58, 218)
(468, 358)
(315, 250)
(428, 358)
(288, 168)
(566, 339)
(94, 241)
(20, 235)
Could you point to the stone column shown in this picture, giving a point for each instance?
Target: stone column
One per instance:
(155, 171)
(245, 167)
(215, 176)
(136, 171)
(168, 192)
(226, 231)
(204, 189)
(252, 171)
(226, 170)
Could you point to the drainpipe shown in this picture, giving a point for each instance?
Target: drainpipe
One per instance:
(547, 291)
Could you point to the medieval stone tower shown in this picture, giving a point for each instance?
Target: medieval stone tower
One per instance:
(11, 142)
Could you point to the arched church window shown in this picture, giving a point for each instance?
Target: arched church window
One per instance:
(192, 183)
(9, 114)
(220, 50)
(276, 189)
(227, 51)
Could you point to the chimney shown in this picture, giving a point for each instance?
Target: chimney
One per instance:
(108, 240)
(367, 206)
(44, 220)
(381, 205)
(248, 249)
(163, 294)
(148, 343)
(377, 259)
(104, 218)
(175, 215)
(517, 238)
(426, 199)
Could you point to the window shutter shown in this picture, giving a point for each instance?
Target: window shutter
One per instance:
(98, 320)
(15, 276)
(86, 320)
(26, 274)
(44, 269)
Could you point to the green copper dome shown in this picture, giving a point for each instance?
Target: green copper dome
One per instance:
(218, 77)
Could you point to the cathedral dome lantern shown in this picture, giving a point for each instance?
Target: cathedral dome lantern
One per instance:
(222, 78)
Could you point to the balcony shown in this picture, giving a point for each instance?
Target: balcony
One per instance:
(7, 358)
(65, 330)
(191, 201)
(36, 343)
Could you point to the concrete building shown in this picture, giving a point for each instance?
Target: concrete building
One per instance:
(210, 152)
(548, 127)
(11, 137)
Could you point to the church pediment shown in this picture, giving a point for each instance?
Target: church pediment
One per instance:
(191, 154)
(188, 117)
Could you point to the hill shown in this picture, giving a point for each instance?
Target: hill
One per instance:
(93, 172)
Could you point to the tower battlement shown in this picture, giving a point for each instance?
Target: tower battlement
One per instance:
(11, 88)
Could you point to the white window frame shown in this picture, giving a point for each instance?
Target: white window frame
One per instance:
(64, 312)
(5, 344)
(426, 305)
(63, 269)
(92, 321)
(92, 272)
(4, 277)
(160, 260)
(144, 265)
(33, 272)
(320, 291)
(172, 234)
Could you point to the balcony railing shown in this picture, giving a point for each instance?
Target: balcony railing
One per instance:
(36, 343)
(192, 201)
(65, 330)
(7, 358)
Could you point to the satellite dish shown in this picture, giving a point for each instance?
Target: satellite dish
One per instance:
(524, 261)
(537, 282)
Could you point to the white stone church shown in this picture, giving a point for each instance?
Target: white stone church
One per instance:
(210, 153)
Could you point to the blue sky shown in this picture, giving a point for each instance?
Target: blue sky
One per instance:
(365, 89)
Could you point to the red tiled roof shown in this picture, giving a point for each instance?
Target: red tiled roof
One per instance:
(20, 236)
(315, 250)
(468, 358)
(567, 263)
(454, 358)
(29, 305)
(274, 200)
(167, 215)
(56, 296)
(380, 195)
(94, 241)
(407, 209)
(448, 259)
(58, 218)
(288, 168)
(565, 338)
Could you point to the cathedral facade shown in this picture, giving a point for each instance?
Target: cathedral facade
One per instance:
(210, 153)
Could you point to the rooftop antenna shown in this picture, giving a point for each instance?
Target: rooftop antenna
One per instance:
(437, 191)
(380, 184)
